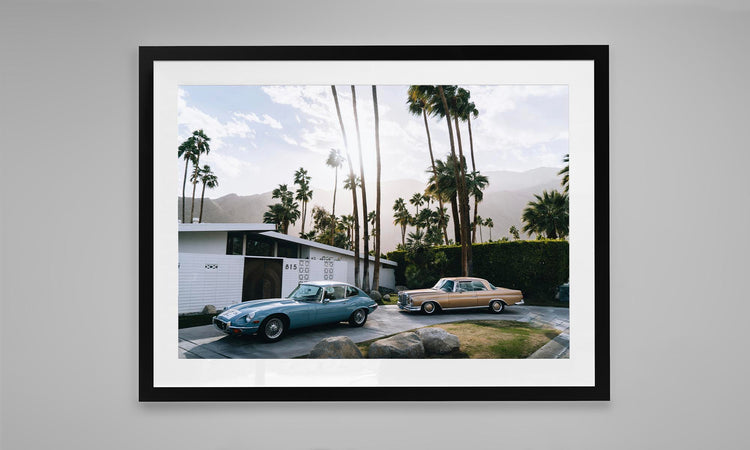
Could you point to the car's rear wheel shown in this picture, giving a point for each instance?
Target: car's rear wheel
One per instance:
(496, 306)
(358, 318)
(430, 308)
(272, 329)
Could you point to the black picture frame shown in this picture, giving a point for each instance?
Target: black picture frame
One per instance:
(599, 54)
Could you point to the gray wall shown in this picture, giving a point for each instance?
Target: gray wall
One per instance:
(679, 218)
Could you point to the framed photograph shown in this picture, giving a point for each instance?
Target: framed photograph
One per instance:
(406, 223)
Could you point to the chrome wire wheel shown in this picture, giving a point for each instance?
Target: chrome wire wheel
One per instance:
(429, 308)
(273, 329)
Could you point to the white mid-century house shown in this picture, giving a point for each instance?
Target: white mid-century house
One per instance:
(221, 264)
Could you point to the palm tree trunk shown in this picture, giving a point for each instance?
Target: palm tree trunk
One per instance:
(463, 200)
(481, 239)
(456, 220)
(376, 270)
(203, 192)
(184, 182)
(403, 234)
(354, 188)
(192, 205)
(474, 169)
(434, 170)
(333, 208)
(304, 213)
(459, 181)
(366, 263)
(490, 234)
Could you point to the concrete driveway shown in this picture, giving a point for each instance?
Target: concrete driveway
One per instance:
(207, 342)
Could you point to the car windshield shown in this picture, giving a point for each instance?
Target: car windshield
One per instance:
(444, 285)
(306, 293)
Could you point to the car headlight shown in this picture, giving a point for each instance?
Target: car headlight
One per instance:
(249, 317)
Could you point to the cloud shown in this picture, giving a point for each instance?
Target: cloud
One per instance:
(190, 118)
(229, 166)
(289, 140)
(266, 120)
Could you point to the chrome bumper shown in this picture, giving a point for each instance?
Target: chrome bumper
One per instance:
(233, 330)
(409, 308)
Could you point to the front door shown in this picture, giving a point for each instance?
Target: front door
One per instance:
(334, 309)
(463, 297)
(262, 278)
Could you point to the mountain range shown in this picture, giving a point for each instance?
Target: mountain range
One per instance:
(505, 197)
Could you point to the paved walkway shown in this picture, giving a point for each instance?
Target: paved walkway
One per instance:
(207, 342)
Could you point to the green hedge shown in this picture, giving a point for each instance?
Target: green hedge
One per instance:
(535, 267)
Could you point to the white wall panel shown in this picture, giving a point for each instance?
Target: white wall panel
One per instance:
(209, 280)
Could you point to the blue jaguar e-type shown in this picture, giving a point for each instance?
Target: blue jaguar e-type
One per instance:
(311, 303)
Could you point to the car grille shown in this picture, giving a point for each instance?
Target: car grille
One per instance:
(220, 324)
(403, 299)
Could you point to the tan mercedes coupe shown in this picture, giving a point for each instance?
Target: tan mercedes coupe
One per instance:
(459, 293)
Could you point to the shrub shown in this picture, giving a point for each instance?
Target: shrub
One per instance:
(535, 267)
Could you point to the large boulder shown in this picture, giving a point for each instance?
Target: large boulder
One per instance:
(337, 347)
(437, 341)
(375, 295)
(209, 309)
(403, 345)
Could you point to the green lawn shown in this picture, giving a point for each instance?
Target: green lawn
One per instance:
(490, 339)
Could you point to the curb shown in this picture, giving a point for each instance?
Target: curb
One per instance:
(557, 348)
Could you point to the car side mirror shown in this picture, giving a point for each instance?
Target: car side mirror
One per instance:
(326, 300)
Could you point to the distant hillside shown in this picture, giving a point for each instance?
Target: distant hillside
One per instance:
(504, 201)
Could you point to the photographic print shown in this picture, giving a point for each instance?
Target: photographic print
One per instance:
(324, 227)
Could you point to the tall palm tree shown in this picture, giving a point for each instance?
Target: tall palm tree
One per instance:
(201, 145)
(442, 222)
(304, 193)
(465, 108)
(444, 108)
(354, 190)
(188, 151)
(209, 181)
(365, 226)
(283, 193)
(548, 215)
(371, 219)
(419, 101)
(565, 173)
(376, 270)
(334, 160)
(347, 222)
(443, 185)
(283, 213)
(488, 222)
(417, 200)
(401, 217)
(478, 222)
(476, 183)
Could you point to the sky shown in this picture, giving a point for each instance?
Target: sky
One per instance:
(260, 135)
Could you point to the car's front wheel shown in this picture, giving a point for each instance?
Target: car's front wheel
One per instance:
(358, 318)
(272, 329)
(496, 306)
(430, 308)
